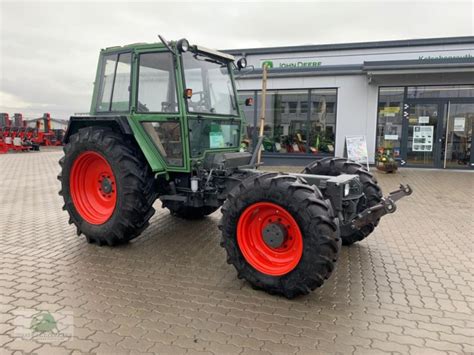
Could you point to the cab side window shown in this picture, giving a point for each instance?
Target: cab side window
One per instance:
(114, 92)
(156, 83)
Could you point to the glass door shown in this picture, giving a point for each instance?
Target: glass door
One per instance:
(458, 137)
(422, 148)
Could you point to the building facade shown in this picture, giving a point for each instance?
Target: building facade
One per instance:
(414, 97)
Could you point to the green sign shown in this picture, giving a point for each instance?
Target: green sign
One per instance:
(291, 63)
(268, 63)
(216, 140)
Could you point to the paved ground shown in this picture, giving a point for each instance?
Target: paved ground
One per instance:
(407, 289)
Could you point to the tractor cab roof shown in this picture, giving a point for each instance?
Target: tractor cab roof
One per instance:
(159, 45)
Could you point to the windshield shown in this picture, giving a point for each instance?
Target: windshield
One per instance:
(211, 83)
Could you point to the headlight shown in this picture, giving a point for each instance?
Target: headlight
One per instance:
(242, 63)
(183, 45)
(347, 190)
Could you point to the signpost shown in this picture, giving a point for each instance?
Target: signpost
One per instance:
(262, 109)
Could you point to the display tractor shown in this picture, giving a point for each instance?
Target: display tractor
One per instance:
(165, 123)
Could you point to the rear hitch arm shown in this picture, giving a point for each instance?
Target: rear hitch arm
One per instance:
(387, 205)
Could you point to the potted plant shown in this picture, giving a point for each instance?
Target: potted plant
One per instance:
(385, 160)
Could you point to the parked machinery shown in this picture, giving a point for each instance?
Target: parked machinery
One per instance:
(11, 134)
(45, 136)
(281, 231)
(15, 135)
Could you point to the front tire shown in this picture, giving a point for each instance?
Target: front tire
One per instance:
(372, 192)
(280, 235)
(107, 186)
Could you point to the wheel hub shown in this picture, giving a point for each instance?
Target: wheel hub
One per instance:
(106, 185)
(274, 234)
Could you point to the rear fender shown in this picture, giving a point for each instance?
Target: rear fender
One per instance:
(118, 124)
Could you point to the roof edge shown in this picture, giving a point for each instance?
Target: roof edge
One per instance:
(355, 45)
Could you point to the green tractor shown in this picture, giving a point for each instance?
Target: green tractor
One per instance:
(165, 123)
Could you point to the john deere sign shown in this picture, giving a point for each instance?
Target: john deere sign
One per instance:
(290, 63)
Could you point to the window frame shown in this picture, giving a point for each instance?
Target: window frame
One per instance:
(155, 145)
(173, 64)
(101, 82)
(213, 115)
(308, 92)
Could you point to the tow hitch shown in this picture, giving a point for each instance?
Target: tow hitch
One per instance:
(387, 205)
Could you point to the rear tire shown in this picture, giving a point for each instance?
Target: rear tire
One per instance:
(306, 256)
(372, 191)
(96, 160)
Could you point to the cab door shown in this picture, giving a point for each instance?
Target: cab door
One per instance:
(156, 111)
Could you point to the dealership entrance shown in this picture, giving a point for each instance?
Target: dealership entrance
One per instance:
(439, 134)
(428, 126)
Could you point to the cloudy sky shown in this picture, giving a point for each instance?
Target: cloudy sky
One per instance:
(49, 50)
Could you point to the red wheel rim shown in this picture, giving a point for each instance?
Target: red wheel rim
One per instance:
(93, 187)
(269, 260)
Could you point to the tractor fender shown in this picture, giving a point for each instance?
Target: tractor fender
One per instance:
(118, 124)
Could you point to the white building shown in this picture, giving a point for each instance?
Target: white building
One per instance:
(415, 97)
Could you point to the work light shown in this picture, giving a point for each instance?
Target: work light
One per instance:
(347, 190)
(242, 63)
(183, 45)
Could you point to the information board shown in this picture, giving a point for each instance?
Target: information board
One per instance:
(423, 138)
(459, 124)
(356, 148)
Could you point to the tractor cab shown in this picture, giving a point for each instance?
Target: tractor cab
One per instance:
(180, 99)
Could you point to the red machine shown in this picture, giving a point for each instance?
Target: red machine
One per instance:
(47, 136)
(5, 126)
(17, 136)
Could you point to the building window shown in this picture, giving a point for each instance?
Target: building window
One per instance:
(250, 132)
(322, 134)
(448, 91)
(390, 114)
(299, 122)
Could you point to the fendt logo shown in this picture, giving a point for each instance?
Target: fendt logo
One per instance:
(268, 63)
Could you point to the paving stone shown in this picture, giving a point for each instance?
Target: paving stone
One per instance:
(170, 291)
(22, 345)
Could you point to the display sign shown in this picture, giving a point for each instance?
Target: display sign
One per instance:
(424, 119)
(391, 137)
(423, 138)
(356, 147)
(216, 140)
(390, 111)
(459, 124)
(291, 63)
(317, 59)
